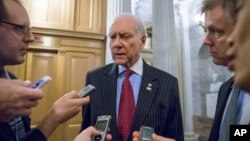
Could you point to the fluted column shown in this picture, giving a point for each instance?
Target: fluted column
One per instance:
(114, 8)
(167, 56)
(164, 38)
(186, 72)
(127, 6)
(187, 84)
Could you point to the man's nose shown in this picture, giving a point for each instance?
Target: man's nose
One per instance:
(29, 37)
(117, 41)
(207, 41)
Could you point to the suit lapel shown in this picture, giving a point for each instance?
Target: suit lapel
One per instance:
(109, 87)
(220, 108)
(225, 92)
(146, 95)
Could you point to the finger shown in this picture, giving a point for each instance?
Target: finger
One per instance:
(84, 101)
(33, 94)
(135, 139)
(160, 138)
(24, 103)
(72, 94)
(30, 104)
(16, 82)
(91, 131)
(27, 83)
(23, 112)
(136, 134)
(155, 137)
(108, 137)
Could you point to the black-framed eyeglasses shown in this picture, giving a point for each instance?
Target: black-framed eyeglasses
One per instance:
(20, 28)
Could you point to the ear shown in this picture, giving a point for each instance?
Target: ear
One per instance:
(143, 41)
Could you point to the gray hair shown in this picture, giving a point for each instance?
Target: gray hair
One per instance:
(230, 6)
(141, 27)
(207, 5)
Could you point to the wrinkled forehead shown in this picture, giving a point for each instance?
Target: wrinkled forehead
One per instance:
(124, 22)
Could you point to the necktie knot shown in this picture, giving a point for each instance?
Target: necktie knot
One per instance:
(128, 73)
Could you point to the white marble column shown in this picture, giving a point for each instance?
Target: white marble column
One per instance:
(187, 87)
(164, 38)
(126, 6)
(168, 56)
(114, 7)
(187, 74)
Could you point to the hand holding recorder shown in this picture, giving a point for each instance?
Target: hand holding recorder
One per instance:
(63, 109)
(89, 133)
(17, 99)
(99, 133)
(147, 134)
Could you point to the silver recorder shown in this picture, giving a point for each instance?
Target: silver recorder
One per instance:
(146, 133)
(102, 125)
(86, 90)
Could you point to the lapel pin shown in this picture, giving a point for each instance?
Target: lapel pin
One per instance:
(149, 87)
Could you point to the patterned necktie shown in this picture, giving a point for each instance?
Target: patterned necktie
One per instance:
(17, 123)
(18, 128)
(126, 108)
(230, 115)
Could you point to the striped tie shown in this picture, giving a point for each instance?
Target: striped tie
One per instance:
(18, 128)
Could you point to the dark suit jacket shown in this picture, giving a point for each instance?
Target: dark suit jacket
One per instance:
(220, 107)
(6, 133)
(158, 108)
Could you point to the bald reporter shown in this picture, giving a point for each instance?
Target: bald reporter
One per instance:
(16, 99)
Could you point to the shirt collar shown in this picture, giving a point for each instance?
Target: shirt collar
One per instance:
(137, 67)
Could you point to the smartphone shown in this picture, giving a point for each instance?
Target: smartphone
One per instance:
(146, 133)
(41, 82)
(86, 90)
(102, 125)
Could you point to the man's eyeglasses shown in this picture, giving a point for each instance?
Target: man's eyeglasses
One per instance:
(19, 28)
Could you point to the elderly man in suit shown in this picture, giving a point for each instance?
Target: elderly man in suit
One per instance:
(147, 96)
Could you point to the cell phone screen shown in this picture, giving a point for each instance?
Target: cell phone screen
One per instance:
(147, 133)
(101, 125)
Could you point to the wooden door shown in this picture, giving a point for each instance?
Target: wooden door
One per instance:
(40, 64)
(76, 66)
(90, 16)
(55, 14)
